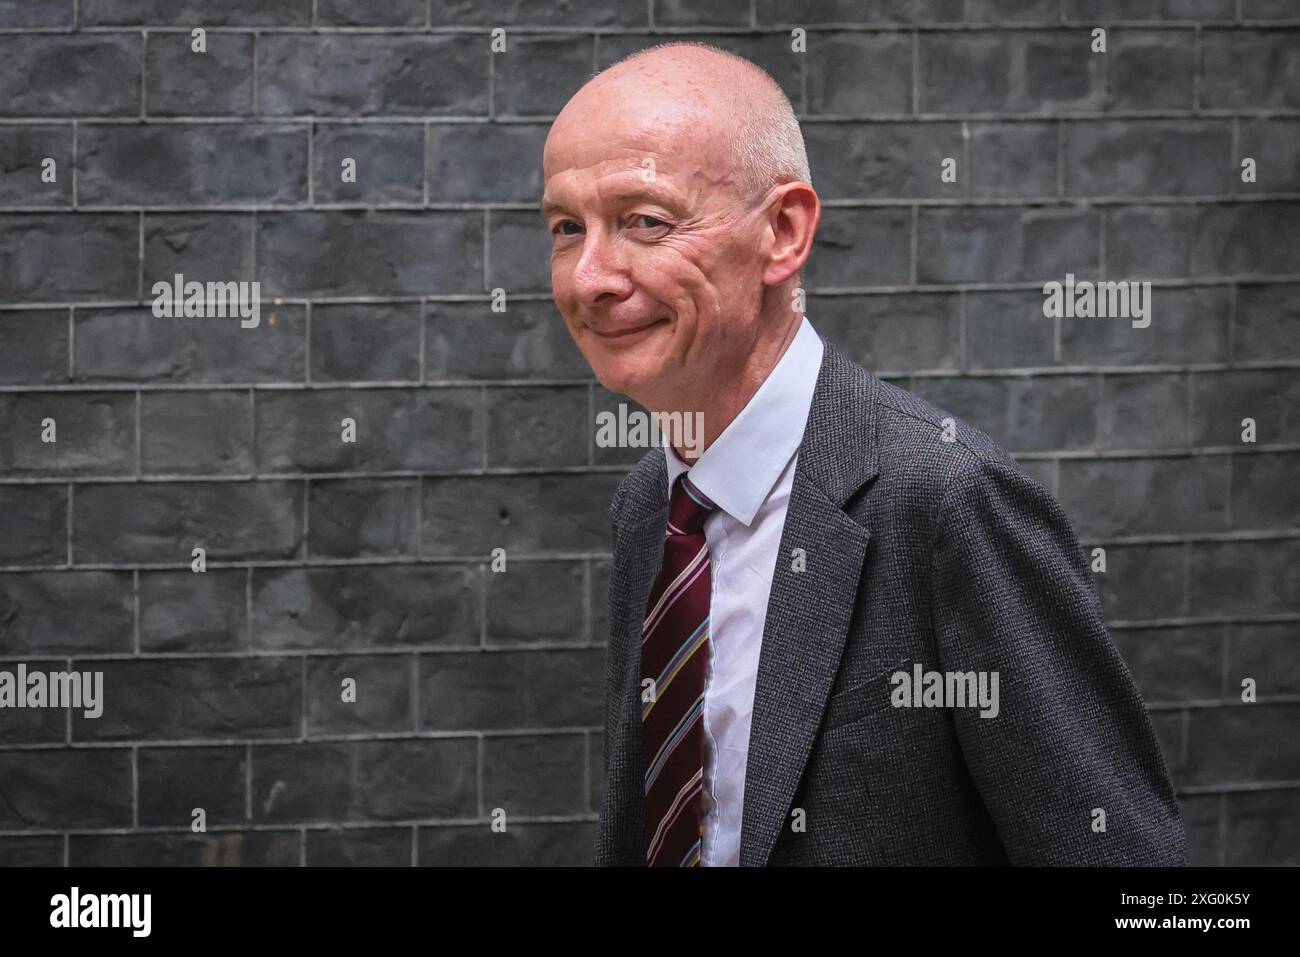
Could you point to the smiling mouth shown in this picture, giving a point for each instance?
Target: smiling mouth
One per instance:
(624, 333)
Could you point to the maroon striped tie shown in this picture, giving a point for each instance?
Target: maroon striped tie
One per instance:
(675, 657)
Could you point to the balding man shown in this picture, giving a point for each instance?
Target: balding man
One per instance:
(844, 628)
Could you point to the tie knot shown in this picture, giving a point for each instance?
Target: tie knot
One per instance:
(688, 508)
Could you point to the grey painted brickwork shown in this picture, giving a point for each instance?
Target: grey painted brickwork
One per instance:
(329, 561)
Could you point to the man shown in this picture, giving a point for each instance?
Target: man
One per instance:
(850, 631)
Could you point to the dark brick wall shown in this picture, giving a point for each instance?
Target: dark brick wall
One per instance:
(369, 561)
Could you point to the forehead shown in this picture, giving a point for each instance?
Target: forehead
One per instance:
(608, 145)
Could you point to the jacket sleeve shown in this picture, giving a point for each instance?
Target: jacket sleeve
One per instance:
(1069, 768)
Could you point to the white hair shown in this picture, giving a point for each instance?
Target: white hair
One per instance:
(766, 140)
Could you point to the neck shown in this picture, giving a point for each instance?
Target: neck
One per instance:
(720, 406)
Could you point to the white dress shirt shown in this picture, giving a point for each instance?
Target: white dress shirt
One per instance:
(747, 472)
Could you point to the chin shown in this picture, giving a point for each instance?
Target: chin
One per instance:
(623, 375)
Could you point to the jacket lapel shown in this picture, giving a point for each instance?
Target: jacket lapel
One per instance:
(811, 603)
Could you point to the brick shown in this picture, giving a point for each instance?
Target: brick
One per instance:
(1112, 10)
(37, 850)
(1013, 11)
(530, 340)
(180, 82)
(537, 75)
(203, 247)
(62, 75)
(66, 788)
(1145, 412)
(33, 524)
(1012, 159)
(535, 602)
(170, 423)
(365, 781)
(172, 782)
(395, 429)
(195, 699)
(520, 257)
(1245, 578)
(66, 612)
(810, 12)
(68, 257)
(194, 612)
(203, 164)
(94, 432)
(910, 331)
(459, 13)
(1240, 743)
(387, 162)
(132, 345)
(1266, 653)
(1222, 400)
(1147, 157)
(359, 847)
(533, 775)
(357, 342)
(163, 521)
(371, 253)
(36, 347)
(1249, 69)
(526, 513)
(538, 426)
(1005, 244)
(1265, 494)
(382, 694)
(895, 160)
(537, 845)
(1199, 242)
(1151, 69)
(221, 849)
(1142, 582)
(1267, 322)
(861, 74)
(1174, 664)
(1263, 829)
(599, 600)
(187, 13)
(1032, 71)
(363, 518)
(1158, 496)
(362, 74)
(1008, 330)
(479, 162)
(508, 690)
(33, 725)
(617, 406)
(861, 247)
(348, 13)
(1274, 145)
(359, 607)
(701, 13)
(37, 13)
(1022, 415)
(23, 152)
(1187, 326)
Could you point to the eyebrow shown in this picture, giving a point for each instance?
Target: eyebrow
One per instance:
(626, 193)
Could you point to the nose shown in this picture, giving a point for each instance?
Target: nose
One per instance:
(602, 268)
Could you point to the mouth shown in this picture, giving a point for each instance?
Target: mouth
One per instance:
(625, 333)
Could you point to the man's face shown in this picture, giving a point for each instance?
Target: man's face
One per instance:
(655, 261)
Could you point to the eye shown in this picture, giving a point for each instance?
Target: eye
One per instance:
(558, 228)
(651, 222)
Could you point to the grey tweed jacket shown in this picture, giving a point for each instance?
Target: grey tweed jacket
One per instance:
(916, 550)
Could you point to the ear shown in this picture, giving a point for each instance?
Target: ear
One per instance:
(793, 215)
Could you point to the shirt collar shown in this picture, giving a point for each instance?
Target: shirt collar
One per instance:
(740, 468)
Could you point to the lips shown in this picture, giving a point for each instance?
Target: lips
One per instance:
(624, 333)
